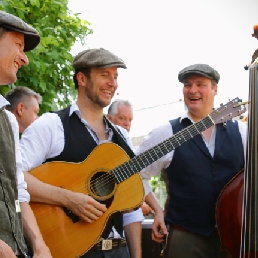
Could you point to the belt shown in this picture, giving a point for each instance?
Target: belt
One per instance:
(109, 244)
(176, 227)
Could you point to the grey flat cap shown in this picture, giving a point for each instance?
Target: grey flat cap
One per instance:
(13, 23)
(98, 57)
(202, 69)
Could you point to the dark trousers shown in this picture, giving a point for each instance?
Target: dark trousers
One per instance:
(186, 244)
(120, 252)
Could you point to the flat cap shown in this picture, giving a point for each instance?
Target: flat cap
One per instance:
(13, 23)
(98, 57)
(202, 69)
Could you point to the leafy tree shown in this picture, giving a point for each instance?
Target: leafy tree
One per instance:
(50, 70)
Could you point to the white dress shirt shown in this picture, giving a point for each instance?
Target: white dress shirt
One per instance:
(44, 139)
(23, 195)
(164, 132)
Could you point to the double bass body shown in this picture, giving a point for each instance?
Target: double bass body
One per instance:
(237, 205)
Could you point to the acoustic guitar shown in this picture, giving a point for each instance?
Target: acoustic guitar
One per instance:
(109, 176)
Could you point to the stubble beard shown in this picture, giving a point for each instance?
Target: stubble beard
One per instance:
(93, 97)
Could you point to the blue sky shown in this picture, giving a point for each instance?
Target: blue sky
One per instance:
(157, 39)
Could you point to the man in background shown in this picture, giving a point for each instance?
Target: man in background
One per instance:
(17, 219)
(24, 104)
(120, 112)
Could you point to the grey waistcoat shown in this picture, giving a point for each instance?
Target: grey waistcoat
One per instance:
(11, 231)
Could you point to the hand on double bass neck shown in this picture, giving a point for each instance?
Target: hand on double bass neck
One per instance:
(255, 34)
(85, 207)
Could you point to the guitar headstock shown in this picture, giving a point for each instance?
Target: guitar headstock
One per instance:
(226, 112)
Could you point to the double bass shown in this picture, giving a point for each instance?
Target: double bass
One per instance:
(237, 205)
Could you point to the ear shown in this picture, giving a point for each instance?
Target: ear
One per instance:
(109, 117)
(19, 109)
(81, 78)
(215, 90)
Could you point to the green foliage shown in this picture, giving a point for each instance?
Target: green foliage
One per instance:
(50, 70)
(154, 182)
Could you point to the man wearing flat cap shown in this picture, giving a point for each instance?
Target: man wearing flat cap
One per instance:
(17, 219)
(71, 135)
(195, 172)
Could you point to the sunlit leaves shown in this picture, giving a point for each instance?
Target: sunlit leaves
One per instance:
(50, 71)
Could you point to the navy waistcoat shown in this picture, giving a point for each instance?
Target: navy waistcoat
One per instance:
(195, 178)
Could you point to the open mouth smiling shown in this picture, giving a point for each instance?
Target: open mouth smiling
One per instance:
(107, 92)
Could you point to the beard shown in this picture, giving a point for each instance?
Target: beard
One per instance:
(89, 92)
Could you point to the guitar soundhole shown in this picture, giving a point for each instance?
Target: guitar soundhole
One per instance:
(102, 184)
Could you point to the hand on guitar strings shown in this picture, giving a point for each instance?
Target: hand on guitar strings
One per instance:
(85, 207)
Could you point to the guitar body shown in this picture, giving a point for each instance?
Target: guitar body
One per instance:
(70, 238)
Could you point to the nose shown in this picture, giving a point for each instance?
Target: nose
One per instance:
(112, 81)
(193, 88)
(24, 59)
(127, 122)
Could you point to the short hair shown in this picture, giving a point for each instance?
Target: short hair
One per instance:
(19, 94)
(2, 31)
(86, 71)
(113, 108)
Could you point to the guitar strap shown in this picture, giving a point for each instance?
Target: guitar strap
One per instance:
(119, 139)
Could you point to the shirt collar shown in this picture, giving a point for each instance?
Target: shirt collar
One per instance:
(186, 115)
(3, 102)
(74, 108)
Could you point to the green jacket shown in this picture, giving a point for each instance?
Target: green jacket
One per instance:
(11, 231)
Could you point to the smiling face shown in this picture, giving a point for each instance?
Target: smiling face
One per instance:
(100, 87)
(12, 56)
(199, 93)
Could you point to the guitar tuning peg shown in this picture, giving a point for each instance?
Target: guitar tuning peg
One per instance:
(221, 104)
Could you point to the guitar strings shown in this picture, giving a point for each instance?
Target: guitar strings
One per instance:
(157, 151)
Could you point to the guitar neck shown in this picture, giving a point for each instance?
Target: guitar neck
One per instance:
(146, 158)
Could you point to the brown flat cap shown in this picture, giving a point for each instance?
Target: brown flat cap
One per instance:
(98, 57)
(202, 69)
(13, 23)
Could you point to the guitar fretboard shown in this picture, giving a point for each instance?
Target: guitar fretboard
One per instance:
(146, 158)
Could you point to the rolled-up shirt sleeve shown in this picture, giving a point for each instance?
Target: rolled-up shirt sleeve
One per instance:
(23, 195)
(134, 216)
